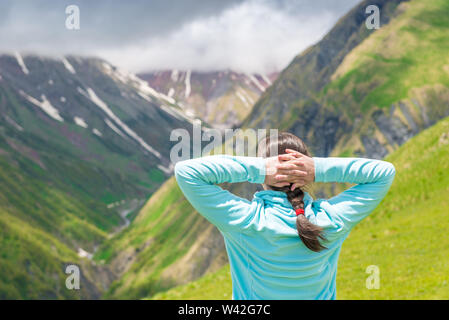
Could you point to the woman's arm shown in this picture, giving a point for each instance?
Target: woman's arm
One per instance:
(373, 179)
(197, 179)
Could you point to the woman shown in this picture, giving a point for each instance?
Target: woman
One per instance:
(268, 260)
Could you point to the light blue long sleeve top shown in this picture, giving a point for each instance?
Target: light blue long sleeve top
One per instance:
(267, 258)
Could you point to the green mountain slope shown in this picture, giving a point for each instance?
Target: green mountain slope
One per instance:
(398, 78)
(167, 244)
(405, 237)
(76, 156)
(370, 97)
(296, 89)
(41, 228)
(86, 124)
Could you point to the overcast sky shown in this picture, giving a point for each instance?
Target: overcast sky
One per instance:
(138, 35)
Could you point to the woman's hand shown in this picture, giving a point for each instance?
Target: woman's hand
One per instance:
(276, 176)
(295, 168)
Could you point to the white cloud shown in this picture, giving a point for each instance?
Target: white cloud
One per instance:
(243, 35)
(250, 37)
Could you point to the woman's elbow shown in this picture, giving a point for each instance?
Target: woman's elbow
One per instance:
(183, 170)
(389, 170)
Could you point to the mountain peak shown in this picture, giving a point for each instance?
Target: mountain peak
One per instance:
(222, 98)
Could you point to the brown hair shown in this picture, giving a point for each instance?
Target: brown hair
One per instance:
(309, 233)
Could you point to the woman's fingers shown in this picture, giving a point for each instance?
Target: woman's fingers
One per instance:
(281, 177)
(294, 172)
(291, 168)
(284, 180)
(294, 153)
(285, 166)
(290, 177)
(290, 165)
(297, 185)
(286, 157)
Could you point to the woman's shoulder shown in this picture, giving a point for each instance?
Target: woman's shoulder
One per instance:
(322, 213)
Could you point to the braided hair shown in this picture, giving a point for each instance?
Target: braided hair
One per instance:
(309, 233)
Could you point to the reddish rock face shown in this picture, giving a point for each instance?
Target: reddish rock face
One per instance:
(221, 98)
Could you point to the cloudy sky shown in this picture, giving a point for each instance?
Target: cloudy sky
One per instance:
(138, 35)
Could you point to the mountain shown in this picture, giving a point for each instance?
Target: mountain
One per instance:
(82, 145)
(362, 92)
(405, 237)
(221, 98)
(357, 92)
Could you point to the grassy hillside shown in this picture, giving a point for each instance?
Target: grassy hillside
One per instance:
(160, 248)
(406, 236)
(38, 228)
(399, 57)
(32, 264)
(212, 286)
(374, 89)
(402, 71)
(76, 160)
(292, 102)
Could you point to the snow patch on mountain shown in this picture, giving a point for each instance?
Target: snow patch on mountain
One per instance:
(68, 66)
(13, 123)
(83, 92)
(97, 132)
(114, 128)
(175, 112)
(172, 112)
(80, 122)
(144, 90)
(103, 106)
(107, 67)
(266, 79)
(21, 63)
(174, 75)
(45, 105)
(241, 97)
(248, 97)
(117, 73)
(168, 170)
(84, 254)
(256, 83)
(187, 82)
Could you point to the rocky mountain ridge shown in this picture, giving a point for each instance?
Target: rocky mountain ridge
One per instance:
(221, 98)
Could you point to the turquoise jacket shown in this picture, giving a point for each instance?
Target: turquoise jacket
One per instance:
(268, 259)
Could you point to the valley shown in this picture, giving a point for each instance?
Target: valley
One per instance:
(83, 145)
(86, 170)
(328, 100)
(74, 142)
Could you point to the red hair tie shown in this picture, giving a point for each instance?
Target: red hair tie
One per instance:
(299, 211)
